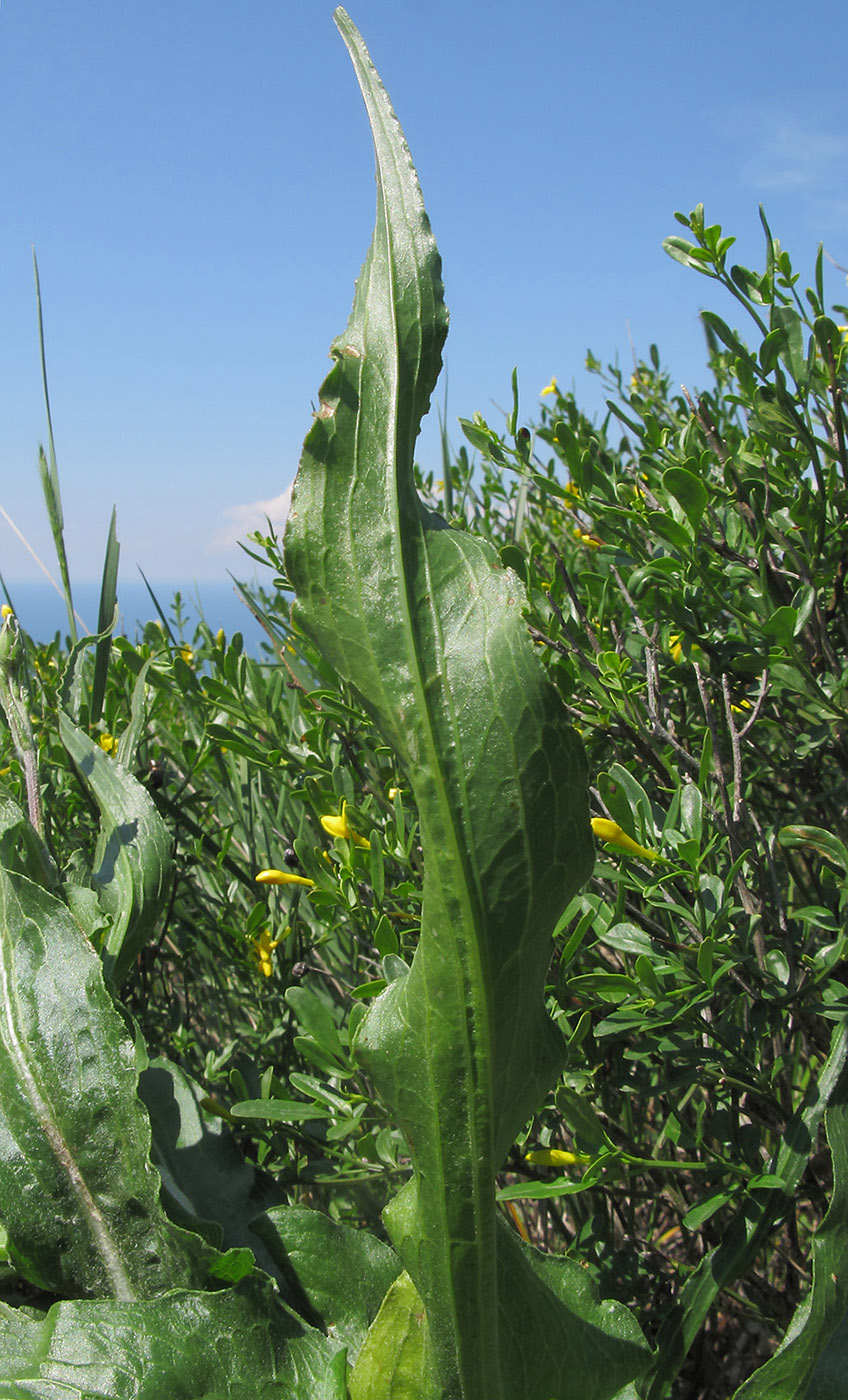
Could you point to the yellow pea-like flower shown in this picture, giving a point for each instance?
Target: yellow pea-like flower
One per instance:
(261, 950)
(585, 538)
(612, 833)
(553, 1157)
(282, 877)
(340, 826)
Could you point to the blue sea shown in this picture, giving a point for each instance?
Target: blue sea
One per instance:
(41, 611)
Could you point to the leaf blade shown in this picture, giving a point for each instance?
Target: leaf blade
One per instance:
(82, 1218)
(134, 851)
(426, 625)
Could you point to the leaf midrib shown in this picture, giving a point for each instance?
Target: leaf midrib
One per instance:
(43, 1109)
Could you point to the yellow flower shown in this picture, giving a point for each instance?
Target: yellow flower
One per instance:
(612, 833)
(282, 877)
(108, 743)
(261, 949)
(549, 389)
(587, 539)
(393, 792)
(675, 646)
(572, 495)
(6, 611)
(187, 655)
(552, 1157)
(339, 826)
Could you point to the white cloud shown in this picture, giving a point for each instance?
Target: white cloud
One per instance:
(240, 520)
(793, 154)
(790, 156)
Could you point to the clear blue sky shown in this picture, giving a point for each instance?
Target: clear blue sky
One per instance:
(197, 178)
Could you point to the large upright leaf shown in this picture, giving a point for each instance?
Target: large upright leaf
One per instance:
(426, 625)
(78, 1196)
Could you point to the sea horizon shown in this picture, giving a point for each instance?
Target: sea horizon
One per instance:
(41, 610)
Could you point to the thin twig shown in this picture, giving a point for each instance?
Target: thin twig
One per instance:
(734, 749)
(758, 705)
(575, 601)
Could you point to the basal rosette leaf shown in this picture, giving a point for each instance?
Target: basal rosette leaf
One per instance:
(239, 1344)
(336, 1275)
(427, 626)
(78, 1195)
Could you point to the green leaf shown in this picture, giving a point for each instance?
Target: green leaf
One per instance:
(786, 318)
(751, 284)
(278, 1110)
(570, 1344)
(628, 939)
(685, 487)
(688, 254)
(133, 855)
(131, 736)
(238, 1344)
(342, 1274)
(369, 989)
(426, 626)
(828, 338)
(781, 626)
(106, 619)
(580, 1117)
(706, 1207)
(669, 529)
(706, 953)
(628, 803)
(313, 1015)
(317, 1056)
(82, 1218)
(815, 838)
(725, 334)
(691, 810)
(394, 1363)
(21, 848)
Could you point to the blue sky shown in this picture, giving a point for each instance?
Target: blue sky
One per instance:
(197, 178)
